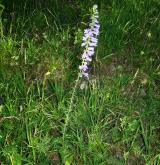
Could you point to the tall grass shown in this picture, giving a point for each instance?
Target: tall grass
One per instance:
(115, 120)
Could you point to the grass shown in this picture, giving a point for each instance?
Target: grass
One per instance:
(115, 120)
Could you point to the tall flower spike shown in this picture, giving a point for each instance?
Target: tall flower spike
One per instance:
(89, 43)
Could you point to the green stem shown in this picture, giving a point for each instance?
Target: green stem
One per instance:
(70, 107)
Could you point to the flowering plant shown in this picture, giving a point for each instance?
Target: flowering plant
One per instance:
(89, 43)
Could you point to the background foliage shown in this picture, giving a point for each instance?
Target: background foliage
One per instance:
(116, 119)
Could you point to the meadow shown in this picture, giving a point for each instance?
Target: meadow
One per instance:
(114, 119)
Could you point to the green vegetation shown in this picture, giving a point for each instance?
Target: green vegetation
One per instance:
(115, 120)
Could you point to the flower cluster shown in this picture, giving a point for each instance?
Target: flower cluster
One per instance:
(89, 43)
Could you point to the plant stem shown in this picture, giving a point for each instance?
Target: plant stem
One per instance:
(70, 107)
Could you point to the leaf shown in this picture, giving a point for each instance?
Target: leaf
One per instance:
(67, 163)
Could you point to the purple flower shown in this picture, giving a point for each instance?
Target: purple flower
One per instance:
(93, 44)
(87, 58)
(83, 44)
(84, 74)
(89, 42)
(91, 48)
(90, 53)
(83, 67)
(93, 39)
